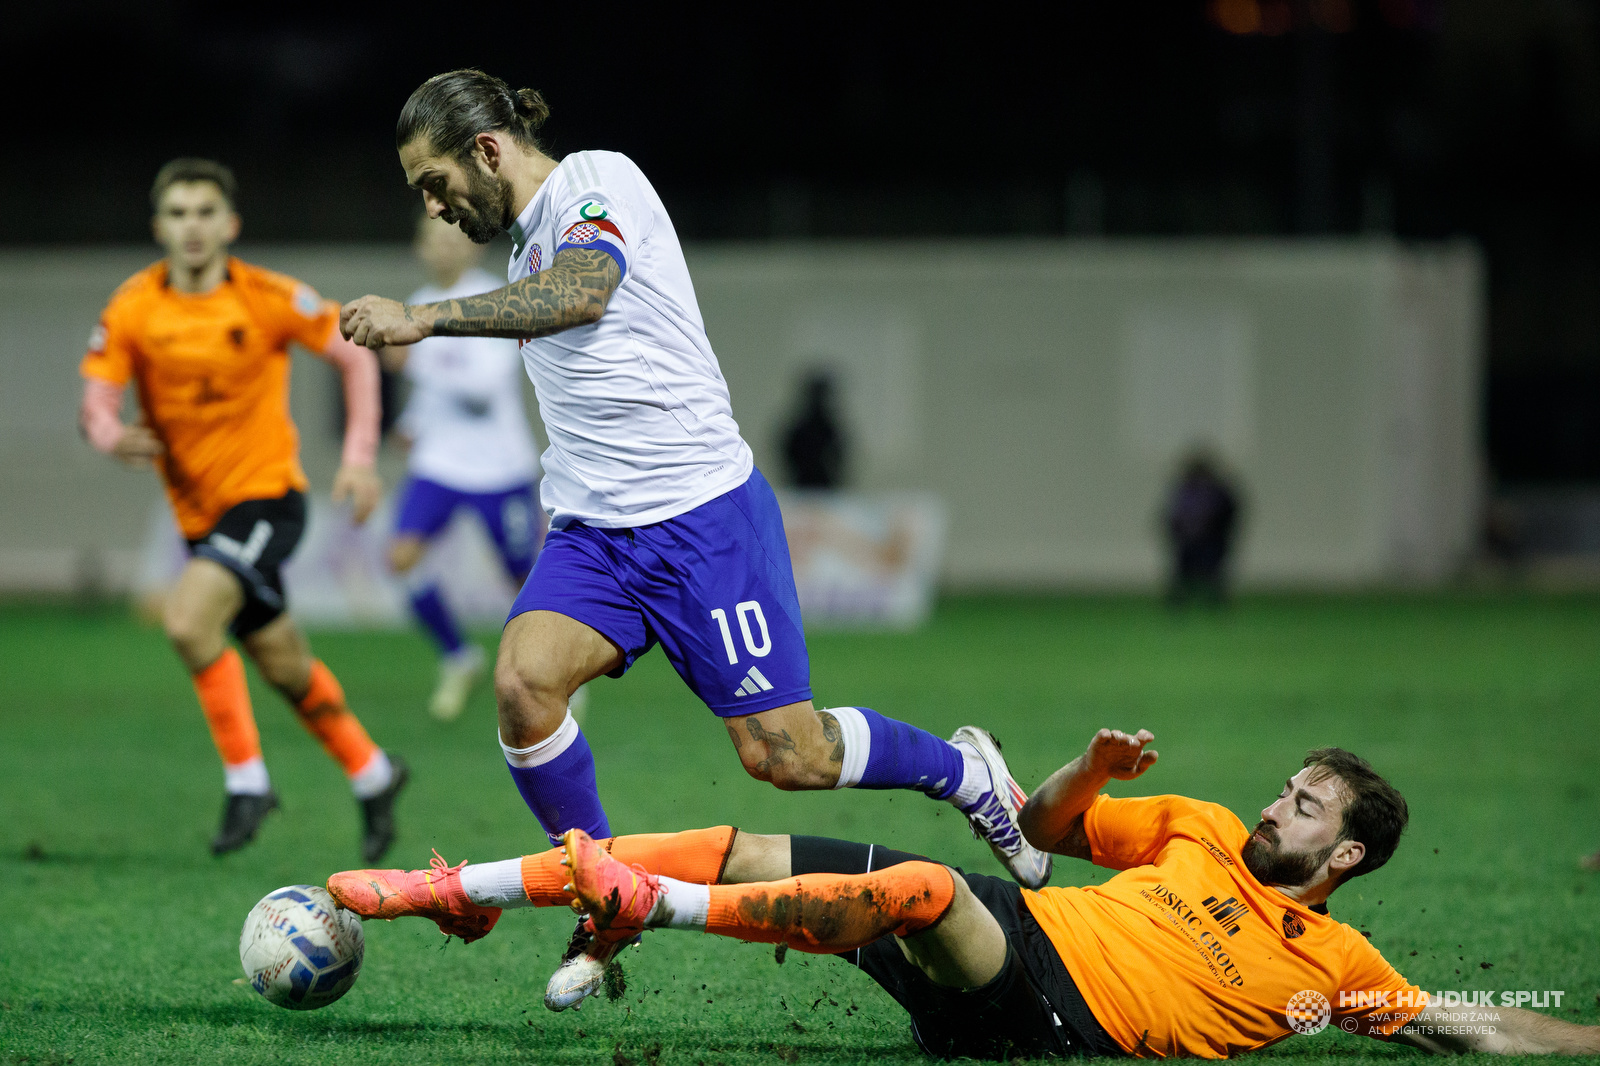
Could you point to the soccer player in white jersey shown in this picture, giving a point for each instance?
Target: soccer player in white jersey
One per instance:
(662, 530)
(470, 448)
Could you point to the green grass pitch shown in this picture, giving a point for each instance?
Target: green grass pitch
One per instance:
(119, 933)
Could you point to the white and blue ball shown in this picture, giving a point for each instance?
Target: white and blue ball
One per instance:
(300, 949)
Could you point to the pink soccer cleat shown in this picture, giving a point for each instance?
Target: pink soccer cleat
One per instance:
(617, 898)
(434, 893)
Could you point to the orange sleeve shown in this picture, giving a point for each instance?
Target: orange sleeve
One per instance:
(110, 354)
(308, 318)
(1373, 993)
(1124, 833)
(291, 309)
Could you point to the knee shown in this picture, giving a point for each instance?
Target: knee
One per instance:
(289, 674)
(192, 634)
(789, 770)
(531, 698)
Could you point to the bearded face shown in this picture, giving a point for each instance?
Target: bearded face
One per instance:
(1271, 864)
(489, 206)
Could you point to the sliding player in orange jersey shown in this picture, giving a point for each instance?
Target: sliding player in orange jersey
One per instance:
(204, 337)
(1211, 941)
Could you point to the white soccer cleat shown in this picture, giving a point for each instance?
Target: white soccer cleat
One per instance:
(457, 674)
(582, 972)
(993, 816)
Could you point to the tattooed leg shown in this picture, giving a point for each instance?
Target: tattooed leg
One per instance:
(794, 747)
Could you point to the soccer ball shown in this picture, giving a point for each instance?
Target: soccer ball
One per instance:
(300, 949)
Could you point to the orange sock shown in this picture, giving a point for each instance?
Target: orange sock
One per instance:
(828, 913)
(225, 699)
(323, 712)
(696, 856)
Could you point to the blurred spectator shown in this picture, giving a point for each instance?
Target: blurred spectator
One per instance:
(814, 446)
(1201, 515)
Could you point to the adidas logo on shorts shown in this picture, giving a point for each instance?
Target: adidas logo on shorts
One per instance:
(753, 683)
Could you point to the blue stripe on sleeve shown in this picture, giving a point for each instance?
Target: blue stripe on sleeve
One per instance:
(605, 246)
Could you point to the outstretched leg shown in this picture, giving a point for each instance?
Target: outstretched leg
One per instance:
(816, 913)
(722, 881)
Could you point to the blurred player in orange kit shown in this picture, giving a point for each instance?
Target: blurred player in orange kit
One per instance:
(204, 337)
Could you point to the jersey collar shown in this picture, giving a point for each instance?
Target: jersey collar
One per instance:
(166, 273)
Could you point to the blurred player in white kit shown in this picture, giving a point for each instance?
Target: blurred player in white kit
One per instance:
(471, 447)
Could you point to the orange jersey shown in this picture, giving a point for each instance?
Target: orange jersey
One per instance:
(1186, 954)
(212, 372)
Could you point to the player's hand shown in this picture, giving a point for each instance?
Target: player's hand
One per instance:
(137, 446)
(377, 323)
(1121, 755)
(361, 486)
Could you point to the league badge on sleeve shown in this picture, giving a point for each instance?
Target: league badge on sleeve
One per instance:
(97, 339)
(591, 211)
(306, 301)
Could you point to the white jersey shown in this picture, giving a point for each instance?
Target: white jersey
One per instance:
(640, 424)
(465, 415)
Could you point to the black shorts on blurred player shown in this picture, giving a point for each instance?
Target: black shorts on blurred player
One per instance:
(1030, 1009)
(253, 539)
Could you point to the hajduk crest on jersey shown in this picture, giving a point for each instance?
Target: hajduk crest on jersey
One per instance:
(596, 230)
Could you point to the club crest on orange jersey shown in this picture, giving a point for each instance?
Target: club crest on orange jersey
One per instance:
(1293, 925)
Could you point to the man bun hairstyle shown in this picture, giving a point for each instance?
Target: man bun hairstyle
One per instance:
(1374, 812)
(450, 110)
(188, 169)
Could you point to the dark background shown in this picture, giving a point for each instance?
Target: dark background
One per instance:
(1421, 119)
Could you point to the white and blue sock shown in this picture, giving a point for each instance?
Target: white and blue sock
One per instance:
(557, 781)
(880, 752)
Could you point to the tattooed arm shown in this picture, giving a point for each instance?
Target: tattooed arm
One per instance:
(573, 292)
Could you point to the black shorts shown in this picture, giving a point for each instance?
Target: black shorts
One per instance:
(1030, 1009)
(253, 539)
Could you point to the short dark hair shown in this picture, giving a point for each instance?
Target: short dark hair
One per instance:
(1375, 813)
(187, 169)
(451, 109)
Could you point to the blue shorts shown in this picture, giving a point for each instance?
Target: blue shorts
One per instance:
(712, 586)
(510, 517)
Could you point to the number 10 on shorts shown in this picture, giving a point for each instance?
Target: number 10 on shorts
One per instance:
(744, 612)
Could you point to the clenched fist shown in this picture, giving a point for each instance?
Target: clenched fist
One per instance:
(375, 323)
